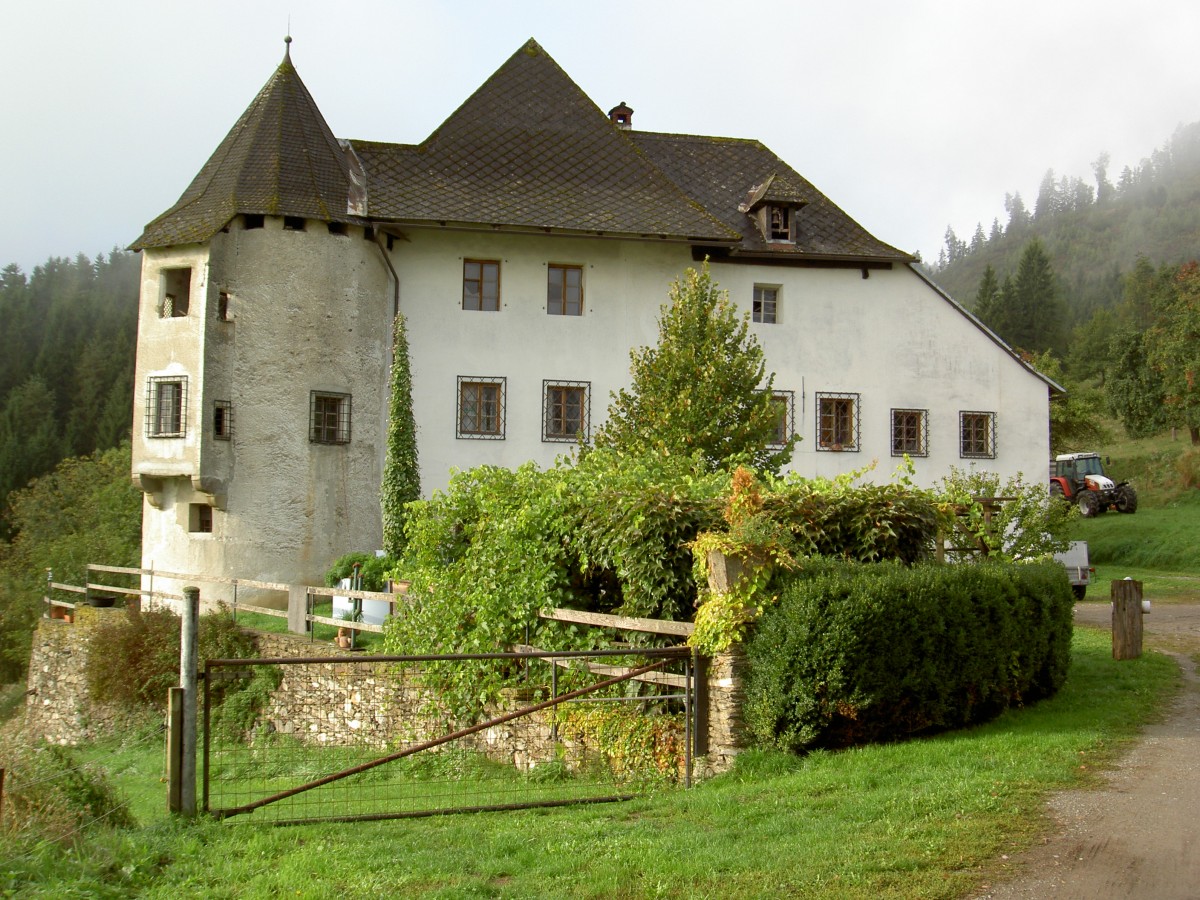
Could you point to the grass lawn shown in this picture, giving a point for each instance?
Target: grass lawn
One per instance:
(925, 818)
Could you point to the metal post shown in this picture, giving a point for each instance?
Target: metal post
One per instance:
(49, 599)
(188, 652)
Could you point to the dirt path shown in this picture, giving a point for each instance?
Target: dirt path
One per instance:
(1138, 836)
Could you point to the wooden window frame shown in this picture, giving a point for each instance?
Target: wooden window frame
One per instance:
(786, 428)
(904, 441)
(480, 302)
(838, 420)
(473, 420)
(561, 304)
(555, 421)
(166, 406)
(328, 417)
(976, 434)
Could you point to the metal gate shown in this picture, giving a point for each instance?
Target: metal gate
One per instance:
(348, 738)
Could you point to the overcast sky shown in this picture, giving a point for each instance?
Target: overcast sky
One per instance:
(909, 115)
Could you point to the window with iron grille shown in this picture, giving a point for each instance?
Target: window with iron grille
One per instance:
(166, 406)
(785, 409)
(837, 422)
(481, 285)
(564, 290)
(566, 411)
(328, 418)
(480, 408)
(766, 304)
(977, 435)
(223, 420)
(910, 432)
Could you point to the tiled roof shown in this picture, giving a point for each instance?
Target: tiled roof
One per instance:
(527, 150)
(719, 173)
(530, 149)
(279, 159)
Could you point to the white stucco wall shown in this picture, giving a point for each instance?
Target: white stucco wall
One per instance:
(312, 311)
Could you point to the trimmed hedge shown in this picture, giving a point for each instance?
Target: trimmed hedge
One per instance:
(853, 653)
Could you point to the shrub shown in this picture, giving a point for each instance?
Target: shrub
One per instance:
(133, 659)
(854, 654)
(49, 794)
(374, 570)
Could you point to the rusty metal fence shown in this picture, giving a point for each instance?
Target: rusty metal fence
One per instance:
(363, 738)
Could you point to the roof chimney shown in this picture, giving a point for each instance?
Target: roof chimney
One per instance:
(621, 116)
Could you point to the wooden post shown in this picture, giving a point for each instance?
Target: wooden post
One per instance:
(188, 653)
(174, 748)
(1126, 619)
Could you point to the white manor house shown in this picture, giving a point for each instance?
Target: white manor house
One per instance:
(529, 241)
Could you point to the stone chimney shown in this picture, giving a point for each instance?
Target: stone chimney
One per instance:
(621, 116)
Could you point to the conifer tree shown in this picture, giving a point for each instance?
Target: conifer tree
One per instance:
(703, 389)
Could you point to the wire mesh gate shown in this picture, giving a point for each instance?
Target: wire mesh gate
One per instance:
(364, 738)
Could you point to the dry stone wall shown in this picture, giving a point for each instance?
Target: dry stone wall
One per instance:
(346, 701)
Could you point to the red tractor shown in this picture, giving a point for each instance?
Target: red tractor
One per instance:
(1079, 478)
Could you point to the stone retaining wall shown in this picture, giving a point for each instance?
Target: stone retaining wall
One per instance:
(339, 703)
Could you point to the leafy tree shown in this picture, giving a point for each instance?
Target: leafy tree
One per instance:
(703, 389)
(401, 472)
(1075, 422)
(1133, 391)
(1173, 348)
(86, 510)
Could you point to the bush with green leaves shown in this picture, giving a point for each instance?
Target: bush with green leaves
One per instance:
(864, 653)
(51, 794)
(1027, 525)
(374, 570)
(134, 658)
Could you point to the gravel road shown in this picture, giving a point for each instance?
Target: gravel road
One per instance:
(1138, 836)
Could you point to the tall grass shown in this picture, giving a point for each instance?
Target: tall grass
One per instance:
(925, 818)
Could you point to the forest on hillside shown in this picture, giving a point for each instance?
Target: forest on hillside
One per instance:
(1099, 285)
(66, 363)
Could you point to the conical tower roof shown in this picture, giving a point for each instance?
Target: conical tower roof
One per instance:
(280, 159)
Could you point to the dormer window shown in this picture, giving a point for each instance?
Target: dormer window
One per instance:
(779, 223)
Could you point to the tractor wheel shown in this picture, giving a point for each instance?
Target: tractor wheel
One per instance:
(1056, 491)
(1126, 499)
(1089, 503)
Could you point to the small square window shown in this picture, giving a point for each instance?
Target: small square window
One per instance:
(480, 408)
(837, 422)
(251, 221)
(176, 293)
(223, 420)
(329, 418)
(785, 408)
(566, 411)
(293, 223)
(200, 518)
(481, 285)
(564, 290)
(166, 406)
(910, 432)
(977, 435)
(766, 304)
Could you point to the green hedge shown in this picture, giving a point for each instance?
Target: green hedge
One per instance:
(856, 653)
